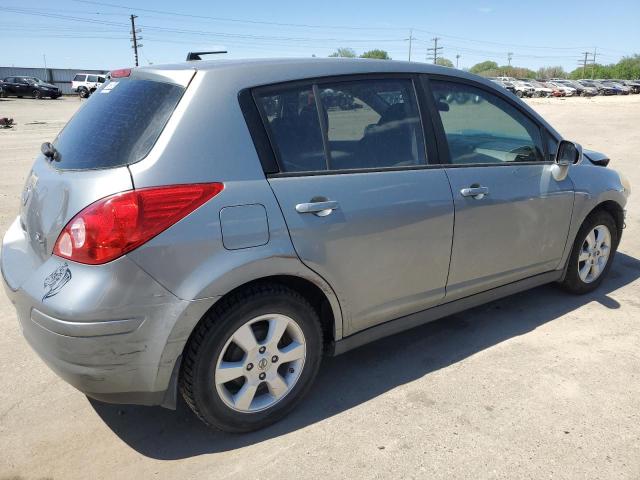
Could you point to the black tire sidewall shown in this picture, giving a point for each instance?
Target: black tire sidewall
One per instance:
(205, 395)
(572, 281)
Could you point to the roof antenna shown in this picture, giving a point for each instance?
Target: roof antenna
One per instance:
(196, 55)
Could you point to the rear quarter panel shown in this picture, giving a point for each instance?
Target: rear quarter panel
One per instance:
(207, 140)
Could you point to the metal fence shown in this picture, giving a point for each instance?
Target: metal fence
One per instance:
(60, 77)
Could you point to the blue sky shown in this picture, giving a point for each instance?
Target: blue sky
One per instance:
(94, 34)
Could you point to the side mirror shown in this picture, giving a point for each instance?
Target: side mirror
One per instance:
(568, 153)
(442, 106)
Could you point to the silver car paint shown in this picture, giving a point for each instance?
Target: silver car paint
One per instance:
(182, 272)
(385, 249)
(518, 230)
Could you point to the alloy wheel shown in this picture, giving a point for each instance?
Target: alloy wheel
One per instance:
(260, 363)
(594, 254)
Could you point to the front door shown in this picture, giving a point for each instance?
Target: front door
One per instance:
(511, 215)
(363, 208)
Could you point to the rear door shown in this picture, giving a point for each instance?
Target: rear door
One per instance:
(363, 207)
(511, 215)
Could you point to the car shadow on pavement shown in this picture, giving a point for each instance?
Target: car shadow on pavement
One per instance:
(360, 375)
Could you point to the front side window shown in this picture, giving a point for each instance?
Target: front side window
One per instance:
(482, 128)
(351, 125)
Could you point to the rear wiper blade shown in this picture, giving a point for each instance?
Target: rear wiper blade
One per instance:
(49, 151)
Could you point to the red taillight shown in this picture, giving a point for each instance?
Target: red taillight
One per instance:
(120, 73)
(115, 225)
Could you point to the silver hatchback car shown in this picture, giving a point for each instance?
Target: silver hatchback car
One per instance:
(214, 228)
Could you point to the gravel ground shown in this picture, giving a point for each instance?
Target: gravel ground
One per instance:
(538, 385)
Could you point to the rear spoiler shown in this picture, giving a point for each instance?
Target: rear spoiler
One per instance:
(196, 55)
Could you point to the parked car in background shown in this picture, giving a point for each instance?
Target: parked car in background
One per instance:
(504, 84)
(523, 89)
(602, 89)
(620, 88)
(634, 85)
(579, 89)
(568, 91)
(163, 245)
(1, 90)
(29, 87)
(540, 90)
(84, 84)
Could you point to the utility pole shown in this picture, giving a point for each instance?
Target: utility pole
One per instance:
(509, 57)
(584, 64)
(411, 39)
(435, 49)
(135, 38)
(593, 65)
(457, 58)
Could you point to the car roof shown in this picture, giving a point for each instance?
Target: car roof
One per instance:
(274, 70)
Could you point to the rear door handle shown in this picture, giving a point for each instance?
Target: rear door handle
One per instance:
(476, 192)
(321, 209)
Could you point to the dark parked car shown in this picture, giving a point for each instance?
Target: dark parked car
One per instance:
(602, 88)
(29, 87)
(634, 85)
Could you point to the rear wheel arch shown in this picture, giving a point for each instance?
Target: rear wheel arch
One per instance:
(309, 290)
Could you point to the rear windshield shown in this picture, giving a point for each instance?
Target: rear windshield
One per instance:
(118, 125)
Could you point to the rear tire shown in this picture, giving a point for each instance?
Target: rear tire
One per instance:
(595, 244)
(223, 363)
(518, 94)
(83, 93)
(37, 94)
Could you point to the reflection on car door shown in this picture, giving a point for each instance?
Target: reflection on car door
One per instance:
(511, 216)
(362, 208)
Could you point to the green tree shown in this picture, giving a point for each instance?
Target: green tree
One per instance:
(445, 62)
(483, 67)
(551, 72)
(344, 52)
(376, 53)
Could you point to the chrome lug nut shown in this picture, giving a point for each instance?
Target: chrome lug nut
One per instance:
(262, 376)
(274, 359)
(262, 349)
(249, 366)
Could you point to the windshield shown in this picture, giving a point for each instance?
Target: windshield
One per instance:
(118, 125)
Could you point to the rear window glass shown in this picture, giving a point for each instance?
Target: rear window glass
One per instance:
(118, 125)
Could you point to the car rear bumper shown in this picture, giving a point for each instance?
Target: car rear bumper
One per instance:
(110, 330)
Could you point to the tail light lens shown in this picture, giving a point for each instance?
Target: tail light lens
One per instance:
(115, 225)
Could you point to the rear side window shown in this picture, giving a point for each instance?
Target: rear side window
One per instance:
(79, 78)
(92, 78)
(118, 125)
(349, 125)
(294, 126)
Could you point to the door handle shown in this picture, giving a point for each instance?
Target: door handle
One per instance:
(321, 209)
(475, 191)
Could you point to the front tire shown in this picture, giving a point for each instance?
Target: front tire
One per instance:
(592, 254)
(252, 358)
(37, 94)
